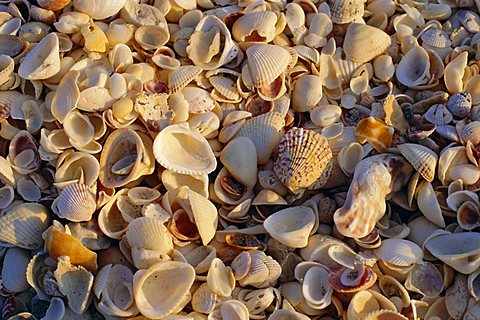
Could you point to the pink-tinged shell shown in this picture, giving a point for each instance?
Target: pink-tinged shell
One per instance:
(366, 275)
(23, 153)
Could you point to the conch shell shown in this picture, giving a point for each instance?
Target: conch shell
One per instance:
(374, 179)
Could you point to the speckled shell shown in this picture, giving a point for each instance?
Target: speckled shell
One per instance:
(363, 42)
(460, 104)
(303, 157)
(423, 159)
(346, 11)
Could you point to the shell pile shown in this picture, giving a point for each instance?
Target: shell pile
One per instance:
(240, 159)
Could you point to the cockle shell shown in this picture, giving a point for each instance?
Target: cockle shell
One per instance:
(151, 37)
(423, 159)
(22, 225)
(363, 43)
(98, 9)
(301, 151)
(414, 67)
(43, 61)
(75, 203)
(346, 11)
(399, 252)
(181, 77)
(373, 179)
(257, 26)
(126, 156)
(291, 226)
(181, 150)
(367, 301)
(175, 278)
(266, 62)
(255, 268)
(204, 299)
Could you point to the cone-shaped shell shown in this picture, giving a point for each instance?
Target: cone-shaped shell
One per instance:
(99, 9)
(173, 277)
(265, 131)
(291, 226)
(363, 43)
(43, 61)
(304, 157)
(23, 225)
(423, 159)
(181, 150)
(414, 67)
(126, 156)
(266, 62)
(75, 203)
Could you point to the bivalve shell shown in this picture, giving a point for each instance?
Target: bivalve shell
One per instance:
(423, 159)
(43, 61)
(266, 62)
(75, 203)
(98, 9)
(363, 43)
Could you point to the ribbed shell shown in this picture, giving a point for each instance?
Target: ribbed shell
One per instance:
(266, 62)
(438, 114)
(471, 132)
(303, 155)
(436, 38)
(75, 203)
(399, 252)
(23, 225)
(179, 78)
(258, 26)
(265, 131)
(363, 42)
(149, 233)
(345, 11)
(423, 159)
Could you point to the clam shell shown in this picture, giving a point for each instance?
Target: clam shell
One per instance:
(413, 67)
(198, 183)
(66, 96)
(425, 279)
(204, 300)
(346, 11)
(345, 280)
(266, 62)
(98, 9)
(239, 156)
(454, 72)
(315, 287)
(423, 159)
(291, 226)
(53, 5)
(385, 314)
(175, 278)
(265, 131)
(306, 93)
(149, 233)
(151, 37)
(456, 297)
(43, 61)
(181, 150)
(363, 43)
(399, 252)
(257, 26)
(468, 215)
(14, 267)
(301, 151)
(22, 225)
(220, 279)
(75, 203)
(428, 204)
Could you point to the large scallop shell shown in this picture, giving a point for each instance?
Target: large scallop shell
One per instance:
(423, 159)
(291, 226)
(43, 61)
(181, 150)
(266, 62)
(173, 277)
(304, 157)
(75, 203)
(99, 9)
(363, 43)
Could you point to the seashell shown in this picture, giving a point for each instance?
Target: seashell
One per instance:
(151, 37)
(53, 5)
(75, 283)
(301, 151)
(454, 72)
(286, 314)
(428, 204)
(367, 301)
(291, 226)
(470, 20)
(7, 65)
(345, 280)
(423, 159)
(435, 37)
(456, 297)
(383, 67)
(317, 296)
(349, 156)
(181, 77)
(438, 114)
(414, 67)
(472, 87)
(164, 274)
(470, 132)
(265, 131)
(126, 156)
(266, 63)
(425, 279)
(460, 104)
(233, 309)
(256, 269)
(458, 250)
(43, 61)
(220, 278)
(198, 183)
(22, 225)
(23, 153)
(99, 10)
(375, 178)
(15, 264)
(204, 300)
(385, 314)
(239, 156)
(66, 96)
(59, 244)
(468, 216)
(257, 26)
(376, 132)
(75, 203)
(346, 11)
(399, 252)
(306, 93)
(363, 43)
(205, 48)
(473, 284)
(42, 15)
(13, 46)
(199, 100)
(456, 199)
(187, 153)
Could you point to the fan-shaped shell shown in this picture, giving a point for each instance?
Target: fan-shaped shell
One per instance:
(266, 62)
(423, 159)
(180, 77)
(98, 9)
(363, 43)
(175, 278)
(43, 61)
(399, 252)
(181, 150)
(301, 151)
(149, 233)
(75, 203)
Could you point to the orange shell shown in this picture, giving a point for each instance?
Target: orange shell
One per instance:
(368, 279)
(376, 132)
(61, 244)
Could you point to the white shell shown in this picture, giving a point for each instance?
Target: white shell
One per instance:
(399, 252)
(43, 61)
(98, 9)
(414, 67)
(75, 203)
(239, 156)
(14, 267)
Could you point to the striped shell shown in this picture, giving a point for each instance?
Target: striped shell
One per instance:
(363, 42)
(75, 203)
(266, 62)
(423, 159)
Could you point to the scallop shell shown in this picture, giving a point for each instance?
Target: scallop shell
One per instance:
(423, 159)
(437, 38)
(413, 67)
(181, 150)
(15, 264)
(399, 252)
(458, 250)
(33, 219)
(75, 203)
(363, 43)
(301, 151)
(175, 278)
(126, 156)
(98, 9)
(265, 131)
(43, 61)
(239, 156)
(266, 62)
(346, 11)
(291, 226)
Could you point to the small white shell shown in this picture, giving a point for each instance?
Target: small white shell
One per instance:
(75, 203)
(43, 61)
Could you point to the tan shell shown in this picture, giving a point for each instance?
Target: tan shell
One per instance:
(423, 159)
(126, 156)
(182, 76)
(75, 203)
(257, 26)
(363, 43)
(301, 151)
(399, 252)
(53, 5)
(220, 278)
(181, 150)
(239, 156)
(151, 37)
(346, 11)
(454, 72)
(98, 9)
(266, 62)
(43, 61)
